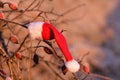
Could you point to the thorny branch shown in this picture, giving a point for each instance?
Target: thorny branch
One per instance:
(33, 50)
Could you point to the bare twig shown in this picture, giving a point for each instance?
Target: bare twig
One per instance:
(47, 63)
(101, 76)
(21, 44)
(72, 9)
(13, 23)
(9, 62)
(24, 10)
(3, 44)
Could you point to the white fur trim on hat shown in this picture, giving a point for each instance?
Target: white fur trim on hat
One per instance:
(35, 30)
(72, 66)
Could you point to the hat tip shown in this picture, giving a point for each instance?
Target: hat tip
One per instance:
(72, 65)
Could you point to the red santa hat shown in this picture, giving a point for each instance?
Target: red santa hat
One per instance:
(46, 31)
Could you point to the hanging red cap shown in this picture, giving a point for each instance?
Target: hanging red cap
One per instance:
(46, 31)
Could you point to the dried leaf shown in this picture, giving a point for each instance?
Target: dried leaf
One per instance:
(36, 58)
(64, 69)
(48, 50)
(1, 4)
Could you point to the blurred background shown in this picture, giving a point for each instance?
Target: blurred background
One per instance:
(91, 26)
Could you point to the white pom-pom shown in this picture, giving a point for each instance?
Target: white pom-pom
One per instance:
(72, 66)
(35, 29)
